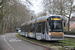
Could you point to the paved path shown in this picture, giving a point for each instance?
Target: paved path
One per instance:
(69, 36)
(11, 42)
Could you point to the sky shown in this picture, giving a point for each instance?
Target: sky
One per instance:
(36, 6)
(0, 0)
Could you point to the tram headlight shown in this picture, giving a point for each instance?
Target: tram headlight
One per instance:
(50, 34)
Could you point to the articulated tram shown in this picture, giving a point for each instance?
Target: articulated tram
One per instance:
(44, 28)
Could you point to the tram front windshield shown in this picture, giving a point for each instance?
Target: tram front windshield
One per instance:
(55, 25)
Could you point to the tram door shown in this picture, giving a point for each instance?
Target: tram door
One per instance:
(43, 30)
(38, 31)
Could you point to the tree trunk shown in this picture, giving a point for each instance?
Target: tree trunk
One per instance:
(70, 16)
(68, 23)
(1, 25)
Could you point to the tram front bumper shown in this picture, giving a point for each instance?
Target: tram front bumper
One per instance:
(57, 38)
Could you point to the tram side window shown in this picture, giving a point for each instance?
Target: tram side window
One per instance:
(30, 30)
(38, 27)
(27, 28)
(33, 27)
(43, 26)
(24, 29)
(46, 27)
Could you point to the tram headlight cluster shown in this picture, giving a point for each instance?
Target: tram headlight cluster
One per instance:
(50, 34)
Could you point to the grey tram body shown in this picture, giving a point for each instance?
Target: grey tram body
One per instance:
(41, 33)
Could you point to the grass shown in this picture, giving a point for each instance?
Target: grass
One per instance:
(66, 42)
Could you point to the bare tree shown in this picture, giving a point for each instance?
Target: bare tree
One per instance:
(14, 14)
(1, 15)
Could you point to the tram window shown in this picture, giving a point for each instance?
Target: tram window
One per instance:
(30, 29)
(33, 27)
(38, 27)
(46, 27)
(43, 26)
(21, 28)
(27, 28)
(24, 28)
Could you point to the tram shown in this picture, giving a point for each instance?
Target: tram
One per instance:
(44, 28)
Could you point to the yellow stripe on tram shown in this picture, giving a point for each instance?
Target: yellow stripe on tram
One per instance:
(55, 19)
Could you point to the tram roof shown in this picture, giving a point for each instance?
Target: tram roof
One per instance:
(45, 17)
(32, 21)
(23, 24)
(38, 19)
